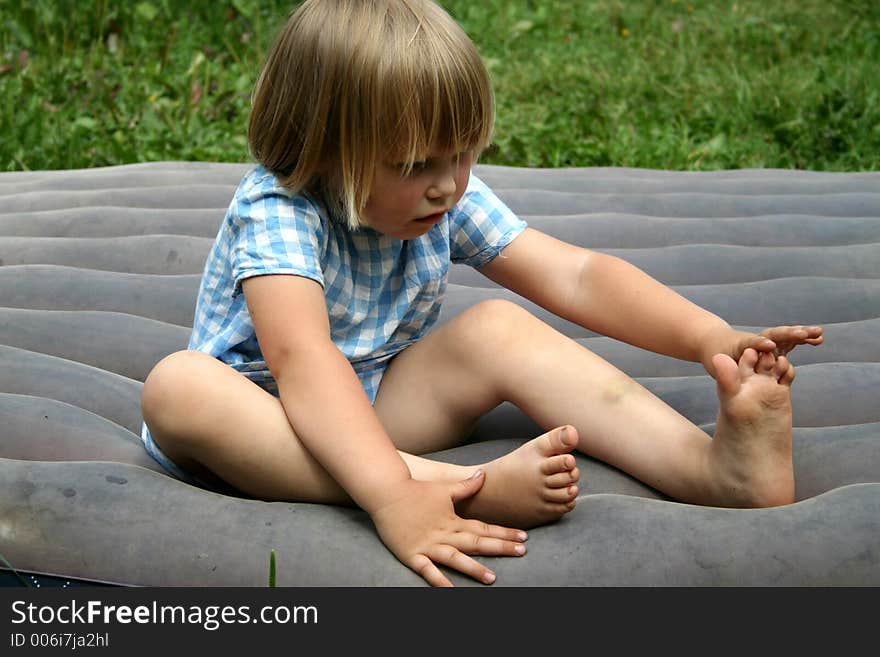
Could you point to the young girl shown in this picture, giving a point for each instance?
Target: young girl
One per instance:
(313, 373)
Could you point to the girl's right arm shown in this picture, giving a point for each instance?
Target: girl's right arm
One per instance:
(330, 413)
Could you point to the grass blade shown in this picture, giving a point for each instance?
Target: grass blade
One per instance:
(272, 569)
(17, 574)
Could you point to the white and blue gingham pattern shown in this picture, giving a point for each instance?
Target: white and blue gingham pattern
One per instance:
(382, 293)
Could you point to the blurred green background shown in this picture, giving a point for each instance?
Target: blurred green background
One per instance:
(657, 84)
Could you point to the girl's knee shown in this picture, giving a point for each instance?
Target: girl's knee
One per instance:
(174, 367)
(499, 318)
(169, 384)
(494, 326)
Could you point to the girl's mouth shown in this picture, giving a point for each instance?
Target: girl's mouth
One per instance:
(432, 218)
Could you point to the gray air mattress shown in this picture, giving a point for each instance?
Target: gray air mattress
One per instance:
(99, 274)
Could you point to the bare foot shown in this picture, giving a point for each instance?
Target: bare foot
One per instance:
(751, 453)
(533, 485)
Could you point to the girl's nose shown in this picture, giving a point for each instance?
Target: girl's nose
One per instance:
(443, 184)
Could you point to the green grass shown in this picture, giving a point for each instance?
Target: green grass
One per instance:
(8, 565)
(656, 84)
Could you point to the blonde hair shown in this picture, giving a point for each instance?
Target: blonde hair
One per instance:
(351, 83)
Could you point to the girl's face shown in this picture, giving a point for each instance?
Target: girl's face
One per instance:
(407, 205)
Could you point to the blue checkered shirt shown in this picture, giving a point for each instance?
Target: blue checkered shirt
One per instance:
(382, 293)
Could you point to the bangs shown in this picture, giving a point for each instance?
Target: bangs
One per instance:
(438, 99)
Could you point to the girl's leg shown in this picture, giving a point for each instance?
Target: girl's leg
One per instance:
(207, 417)
(215, 423)
(497, 351)
(212, 421)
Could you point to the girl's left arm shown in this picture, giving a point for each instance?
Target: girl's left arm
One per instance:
(610, 296)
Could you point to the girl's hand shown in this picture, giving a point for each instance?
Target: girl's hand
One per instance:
(422, 530)
(778, 340)
(786, 338)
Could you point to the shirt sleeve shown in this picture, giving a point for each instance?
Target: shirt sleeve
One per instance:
(274, 232)
(481, 225)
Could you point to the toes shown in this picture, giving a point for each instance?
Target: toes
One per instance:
(556, 510)
(560, 495)
(555, 464)
(783, 370)
(766, 364)
(558, 441)
(748, 361)
(563, 479)
(727, 373)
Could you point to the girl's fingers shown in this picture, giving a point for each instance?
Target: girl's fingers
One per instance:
(473, 544)
(760, 343)
(789, 337)
(479, 528)
(424, 567)
(779, 333)
(473, 537)
(796, 334)
(775, 332)
(450, 556)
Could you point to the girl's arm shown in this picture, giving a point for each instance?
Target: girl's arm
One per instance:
(610, 296)
(320, 392)
(330, 413)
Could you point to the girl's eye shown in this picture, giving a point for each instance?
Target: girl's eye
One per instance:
(411, 170)
(423, 165)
